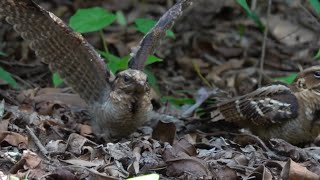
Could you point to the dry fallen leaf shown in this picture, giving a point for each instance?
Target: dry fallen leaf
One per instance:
(294, 171)
(164, 132)
(14, 139)
(32, 159)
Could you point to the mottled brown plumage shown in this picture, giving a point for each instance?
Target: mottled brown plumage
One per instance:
(289, 112)
(118, 107)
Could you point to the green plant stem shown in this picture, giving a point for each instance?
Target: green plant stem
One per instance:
(197, 69)
(104, 42)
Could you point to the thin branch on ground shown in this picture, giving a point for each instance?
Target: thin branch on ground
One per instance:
(265, 35)
(35, 139)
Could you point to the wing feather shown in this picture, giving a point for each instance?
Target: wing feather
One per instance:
(265, 106)
(66, 51)
(151, 40)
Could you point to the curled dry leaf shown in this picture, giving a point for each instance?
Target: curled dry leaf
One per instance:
(180, 163)
(261, 172)
(86, 130)
(294, 171)
(76, 142)
(56, 146)
(14, 139)
(32, 159)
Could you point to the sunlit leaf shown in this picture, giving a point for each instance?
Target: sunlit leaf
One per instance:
(91, 19)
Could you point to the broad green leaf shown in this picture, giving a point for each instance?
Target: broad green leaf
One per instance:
(152, 80)
(6, 76)
(56, 79)
(91, 19)
(316, 5)
(121, 19)
(146, 177)
(152, 59)
(251, 14)
(144, 25)
(287, 79)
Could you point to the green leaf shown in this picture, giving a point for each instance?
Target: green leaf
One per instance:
(2, 53)
(287, 79)
(170, 34)
(6, 76)
(152, 80)
(152, 59)
(115, 63)
(317, 56)
(144, 25)
(316, 5)
(146, 177)
(91, 19)
(251, 14)
(121, 19)
(177, 101)
(56, 79)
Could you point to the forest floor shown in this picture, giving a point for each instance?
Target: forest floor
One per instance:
(216, 46)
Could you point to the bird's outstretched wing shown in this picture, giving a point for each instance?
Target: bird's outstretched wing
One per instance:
(265, 106)
(152, 39)
(66, 51)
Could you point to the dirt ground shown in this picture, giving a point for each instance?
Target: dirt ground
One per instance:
(217, 47)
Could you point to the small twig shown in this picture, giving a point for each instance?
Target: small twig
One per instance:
(309, 14)
(104, 42)
(197, 69)
(28, 85)
(19, 165)
(35, 139)
(265, 35)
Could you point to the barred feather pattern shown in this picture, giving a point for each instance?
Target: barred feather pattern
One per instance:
(265, 106)
(66, 51)
(152, 39)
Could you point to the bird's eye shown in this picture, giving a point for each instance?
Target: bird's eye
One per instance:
(317, 74)
(126, 78)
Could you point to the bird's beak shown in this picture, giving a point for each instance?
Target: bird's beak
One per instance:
(142, 86)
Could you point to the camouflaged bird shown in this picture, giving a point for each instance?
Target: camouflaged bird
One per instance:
(288, 112)
(117, 107)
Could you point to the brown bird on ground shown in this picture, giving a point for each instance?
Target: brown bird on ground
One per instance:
(118, 107)
(288, 112)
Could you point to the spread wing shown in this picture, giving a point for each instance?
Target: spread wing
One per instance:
(151, 40)
(265, 106)
(66, 51)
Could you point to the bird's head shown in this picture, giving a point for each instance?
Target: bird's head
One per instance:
(309, 79)
(131, 81)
